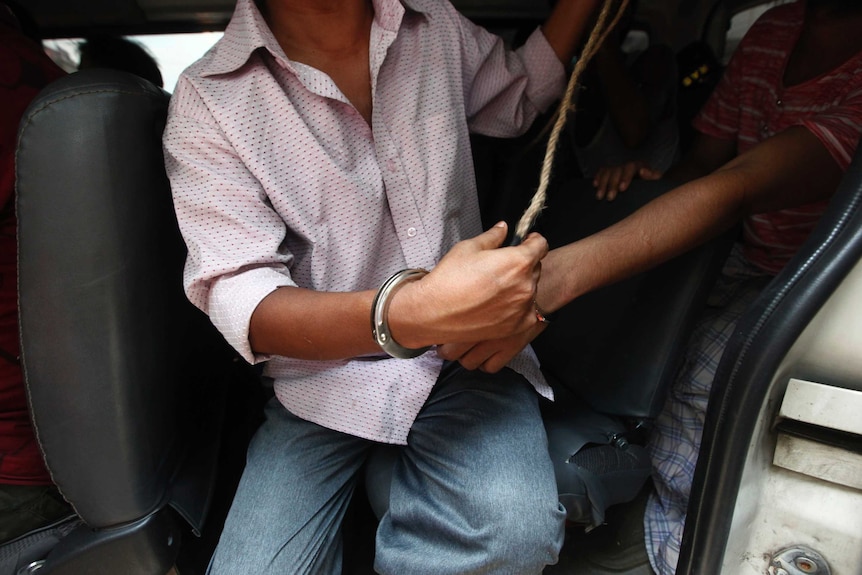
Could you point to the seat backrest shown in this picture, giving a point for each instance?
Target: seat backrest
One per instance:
(111, 348)
(618, 347)
(98, 288)
(98, 270)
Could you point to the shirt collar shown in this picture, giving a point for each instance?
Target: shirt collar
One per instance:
(388, 13)
(247, 31)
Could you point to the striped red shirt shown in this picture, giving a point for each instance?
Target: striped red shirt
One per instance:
(751, 104)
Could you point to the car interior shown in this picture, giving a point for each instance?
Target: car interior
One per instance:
(143, 412)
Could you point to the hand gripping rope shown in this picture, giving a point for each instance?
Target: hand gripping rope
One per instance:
(599, 33)
(380, 307)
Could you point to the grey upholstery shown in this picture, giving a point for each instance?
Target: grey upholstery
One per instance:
(125, 377)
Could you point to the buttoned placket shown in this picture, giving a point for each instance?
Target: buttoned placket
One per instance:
(405, 217)
(402, 204)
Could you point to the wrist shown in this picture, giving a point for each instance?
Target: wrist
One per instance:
(380, 316)
(543, 316)
(565, 277)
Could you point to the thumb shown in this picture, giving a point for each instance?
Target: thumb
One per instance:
(492, 238)
(648, 173)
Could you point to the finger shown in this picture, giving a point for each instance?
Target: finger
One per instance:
(493, 238)
(648, 173)
(614, 183)
(601, 183)
(537, 272)
(498, 356)
(494, 363)
(536, 245)
(625, 174)
(474, 358)
(453, 351)
(631, 170)
(490, 356)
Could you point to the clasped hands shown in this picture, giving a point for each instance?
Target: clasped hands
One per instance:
(478, 305)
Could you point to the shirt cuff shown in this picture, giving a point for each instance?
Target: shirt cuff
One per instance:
(547, 74)
(233, 299)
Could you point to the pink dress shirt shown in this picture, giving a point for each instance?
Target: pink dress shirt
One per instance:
(279, 181)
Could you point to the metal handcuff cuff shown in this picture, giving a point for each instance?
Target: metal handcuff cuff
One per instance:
(380, 315)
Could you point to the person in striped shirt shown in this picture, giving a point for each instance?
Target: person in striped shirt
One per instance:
(774, 140)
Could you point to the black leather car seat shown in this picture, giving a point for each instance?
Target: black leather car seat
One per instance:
(125, 378)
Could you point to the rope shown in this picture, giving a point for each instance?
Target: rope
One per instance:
(594, 42)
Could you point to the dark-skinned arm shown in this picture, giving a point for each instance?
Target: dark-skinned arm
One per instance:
(566, 26)
(706, 155)
(791, 169)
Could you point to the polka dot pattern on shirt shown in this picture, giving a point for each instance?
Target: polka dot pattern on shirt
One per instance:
(278, 181)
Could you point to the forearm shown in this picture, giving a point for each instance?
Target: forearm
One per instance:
(666, 227)
(565, 27)
(686, 170)
(790, 169)
(305, 324)
(478, 291)
(706, 155)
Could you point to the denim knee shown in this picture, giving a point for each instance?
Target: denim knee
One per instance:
(495, 531)
(475, 487)
(525, 532)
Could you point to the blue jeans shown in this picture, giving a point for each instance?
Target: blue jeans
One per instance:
(472, 492)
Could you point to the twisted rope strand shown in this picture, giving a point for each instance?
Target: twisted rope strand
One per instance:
(597, 37)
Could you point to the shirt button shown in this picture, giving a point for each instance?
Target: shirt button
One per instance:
(411, 232)
(392, 166)
(778, 102)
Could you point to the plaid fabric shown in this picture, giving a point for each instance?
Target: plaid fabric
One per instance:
(675, 441)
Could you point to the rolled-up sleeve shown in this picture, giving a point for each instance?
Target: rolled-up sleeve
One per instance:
(232, 234)
(839, 128)
(507, 90)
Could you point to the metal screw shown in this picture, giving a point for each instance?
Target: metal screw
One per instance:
(798, 560)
